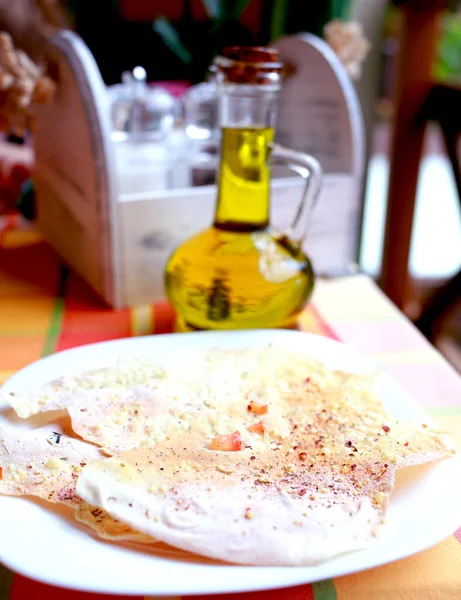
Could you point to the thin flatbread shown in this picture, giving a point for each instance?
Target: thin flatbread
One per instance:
(59, 393)
(107, 527)
(45, 463)
(322, 492)
(209, 394)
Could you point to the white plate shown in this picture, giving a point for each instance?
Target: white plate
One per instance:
(47, 545)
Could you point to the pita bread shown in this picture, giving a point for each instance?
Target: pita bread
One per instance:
(107, 527)
(60, 393)
(321, 492)
(207, 393)
(44, 462)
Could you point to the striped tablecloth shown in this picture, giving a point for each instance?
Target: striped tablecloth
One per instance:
(44, 309)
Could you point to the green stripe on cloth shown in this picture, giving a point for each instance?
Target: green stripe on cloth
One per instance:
(444, 410)
(324, 590)
(57, 314)
(6, 581)
(54, 329)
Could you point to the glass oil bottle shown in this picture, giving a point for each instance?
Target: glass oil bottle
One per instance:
(241, 273)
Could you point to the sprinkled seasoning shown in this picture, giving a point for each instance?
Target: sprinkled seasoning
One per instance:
(350, 445)
(224, 469)
(380, 498)
(54, 463)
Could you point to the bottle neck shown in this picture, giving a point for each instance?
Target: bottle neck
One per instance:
(247, 129)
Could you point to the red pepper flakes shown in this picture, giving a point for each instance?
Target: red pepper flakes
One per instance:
(302, 492)
(307, 380)
(386, 428)
(259, 409)
(1, 473)
(302, 456)
(383, 472)
(406, 444)
(349, 444)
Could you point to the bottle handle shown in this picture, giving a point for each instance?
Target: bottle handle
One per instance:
(309, 167)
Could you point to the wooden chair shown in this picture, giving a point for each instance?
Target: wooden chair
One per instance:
(417, 101)
(442, 106)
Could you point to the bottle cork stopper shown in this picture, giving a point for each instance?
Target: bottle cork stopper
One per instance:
(249, 65)
(252, 54)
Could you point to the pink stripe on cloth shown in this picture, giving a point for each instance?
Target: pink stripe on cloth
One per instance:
(429, 384)
(327, 330)
(380, 336)
(458, 535)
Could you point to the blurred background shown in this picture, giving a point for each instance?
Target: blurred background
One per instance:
(175, 41)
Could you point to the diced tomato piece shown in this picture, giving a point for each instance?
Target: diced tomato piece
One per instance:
(227, 442)
(256, 427)
(259, 409)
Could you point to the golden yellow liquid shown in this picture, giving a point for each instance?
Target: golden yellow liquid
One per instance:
(239, 274)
